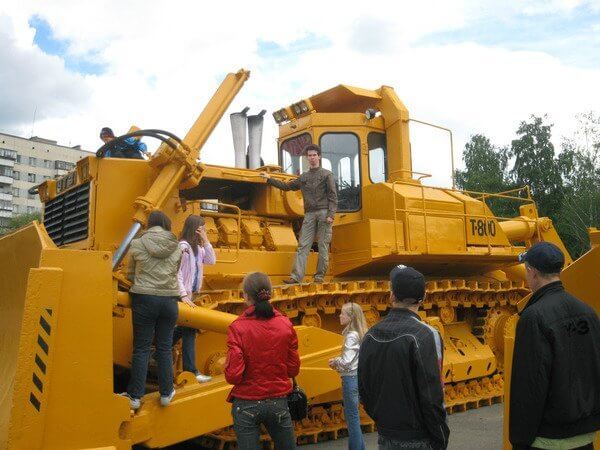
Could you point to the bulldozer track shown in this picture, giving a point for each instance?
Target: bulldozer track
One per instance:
(313, 304)
(299, 300)
(327, 422)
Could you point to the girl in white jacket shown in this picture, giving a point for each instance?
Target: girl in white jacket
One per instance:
(352, 317)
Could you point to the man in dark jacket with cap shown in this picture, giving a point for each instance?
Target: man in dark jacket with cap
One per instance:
(399, 371)
(555, 382)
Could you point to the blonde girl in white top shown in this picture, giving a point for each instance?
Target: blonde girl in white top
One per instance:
(353, 319)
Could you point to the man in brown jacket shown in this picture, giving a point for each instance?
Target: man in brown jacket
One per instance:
(320, 204)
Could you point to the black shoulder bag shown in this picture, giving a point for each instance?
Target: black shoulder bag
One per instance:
(297, 402)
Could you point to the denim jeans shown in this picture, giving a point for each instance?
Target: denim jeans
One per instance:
(153, 317)
(350, 397)
(188, 345)
(273, 413)
(385, 443)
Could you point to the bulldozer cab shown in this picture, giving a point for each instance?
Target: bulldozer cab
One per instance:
(354, 128)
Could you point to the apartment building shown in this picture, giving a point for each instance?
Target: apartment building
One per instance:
(27, 162)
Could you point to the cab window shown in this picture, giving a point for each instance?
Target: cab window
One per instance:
(377, 157)
(340, 154)
(291, 154)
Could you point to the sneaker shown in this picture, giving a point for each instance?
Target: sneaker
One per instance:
(166, 399)
(203, 378)
(134, 403)
(290, 281)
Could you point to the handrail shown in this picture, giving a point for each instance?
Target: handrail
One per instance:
(423, 175)
(526, 188)
(451, 144)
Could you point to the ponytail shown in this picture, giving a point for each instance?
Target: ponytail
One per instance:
(257, 286)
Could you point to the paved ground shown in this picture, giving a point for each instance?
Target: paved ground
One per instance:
(476, 429)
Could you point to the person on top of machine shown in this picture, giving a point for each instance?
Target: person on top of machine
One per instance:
(196, 251)
(130, 148)
(154, 258)
(320, 204)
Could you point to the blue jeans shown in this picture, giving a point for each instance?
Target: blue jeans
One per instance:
(273, 413)
(153, 316)
(188, 345)
(385, 443)
(350, 398)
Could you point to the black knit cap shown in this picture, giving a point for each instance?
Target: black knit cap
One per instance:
(545, 257)
(407, 282)
(106, 132)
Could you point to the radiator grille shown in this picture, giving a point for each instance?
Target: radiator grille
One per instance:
(66, 216)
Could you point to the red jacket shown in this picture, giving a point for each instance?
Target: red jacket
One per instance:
(262, 356)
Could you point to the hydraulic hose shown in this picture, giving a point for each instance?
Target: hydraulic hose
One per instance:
(155, 133)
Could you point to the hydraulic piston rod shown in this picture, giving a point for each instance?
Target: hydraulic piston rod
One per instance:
(199, 317)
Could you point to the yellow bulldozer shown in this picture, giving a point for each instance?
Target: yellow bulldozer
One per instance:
(65, 318)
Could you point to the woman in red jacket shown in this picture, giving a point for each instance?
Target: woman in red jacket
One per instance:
(262, 357)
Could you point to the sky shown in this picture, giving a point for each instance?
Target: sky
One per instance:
(471, 66)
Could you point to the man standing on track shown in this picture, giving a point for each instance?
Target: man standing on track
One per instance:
(320, 204)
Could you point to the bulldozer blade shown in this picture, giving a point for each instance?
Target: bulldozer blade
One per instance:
(56, 346)
(56, 357)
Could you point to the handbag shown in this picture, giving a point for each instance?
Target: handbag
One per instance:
(297, 402)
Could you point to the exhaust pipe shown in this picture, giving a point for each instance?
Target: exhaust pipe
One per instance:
(255, 129)
(238, 130)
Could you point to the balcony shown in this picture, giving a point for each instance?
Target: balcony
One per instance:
(4, 180)
(7, 155)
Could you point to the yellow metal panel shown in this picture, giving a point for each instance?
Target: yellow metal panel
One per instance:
(113, 199)
(211, 229)
(345, 98)
(19, 252)
(252, 233)
(582, 278)
(228, 231)
(470, 358)
(85, 315)
(35, 369)
(280, 238)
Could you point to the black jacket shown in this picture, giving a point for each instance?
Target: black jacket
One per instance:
(555, 382)
(399, 382)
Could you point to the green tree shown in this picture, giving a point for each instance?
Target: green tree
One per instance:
(535, 165)
(486, 171)
(579, 164)
(21, 220)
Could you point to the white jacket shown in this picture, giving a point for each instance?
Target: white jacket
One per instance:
(347, 363)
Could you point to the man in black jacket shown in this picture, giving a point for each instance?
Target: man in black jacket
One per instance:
(555, 383)
(399, 369)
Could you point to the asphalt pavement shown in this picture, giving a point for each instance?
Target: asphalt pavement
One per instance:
(475, 429)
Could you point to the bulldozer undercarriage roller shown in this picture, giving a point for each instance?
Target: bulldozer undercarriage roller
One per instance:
(484, 305)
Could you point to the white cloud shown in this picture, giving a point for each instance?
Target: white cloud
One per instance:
(32, 82)
(165, 59)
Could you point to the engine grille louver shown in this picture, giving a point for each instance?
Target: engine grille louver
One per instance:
(66, 216)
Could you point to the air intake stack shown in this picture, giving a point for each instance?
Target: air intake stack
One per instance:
(238, 130)
(255, 129)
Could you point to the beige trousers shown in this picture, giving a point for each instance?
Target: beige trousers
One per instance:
(314, 224)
